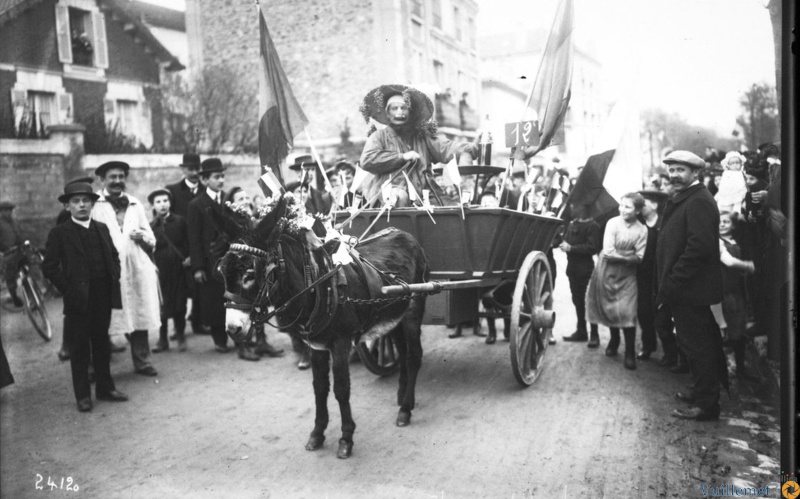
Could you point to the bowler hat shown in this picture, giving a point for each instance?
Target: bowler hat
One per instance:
(103, 169)
(191, 160)
(305, 161)
(6, 205)
(687, 158)
(211, 165)
(159, 192)
(76, 188)
(81, 180)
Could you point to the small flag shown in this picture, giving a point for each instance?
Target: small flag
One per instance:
(450, 174)
(358, 178)
(269, 183)
(412, 193)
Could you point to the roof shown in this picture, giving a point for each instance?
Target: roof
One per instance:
(158, 16)
(123, 12)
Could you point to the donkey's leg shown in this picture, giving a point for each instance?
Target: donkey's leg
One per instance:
(412, 323)
(341, 390)
(322, 385)
(402, 352)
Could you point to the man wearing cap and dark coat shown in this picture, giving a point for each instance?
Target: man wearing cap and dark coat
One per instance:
(207, 245)
(408, 142)
(82, 262)
(690, 281)
(172, 259)
(134, 239)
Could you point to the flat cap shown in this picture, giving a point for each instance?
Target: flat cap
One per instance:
(687, 158)
(103, 169)
(159, 192)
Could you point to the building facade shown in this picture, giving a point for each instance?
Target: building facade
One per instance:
(335, 52)
(91, 62)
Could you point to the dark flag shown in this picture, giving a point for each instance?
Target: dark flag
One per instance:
(589, 189)
(551, 91)
(282, 118)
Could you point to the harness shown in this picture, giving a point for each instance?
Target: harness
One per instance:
(321, 278)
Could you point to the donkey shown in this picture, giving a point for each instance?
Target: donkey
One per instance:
(280, 264)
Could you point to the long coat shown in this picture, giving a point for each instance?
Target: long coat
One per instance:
(687, 255)
(206, 243)
(139, 277)
(172, 248)
(182, 196)
(383, 155)
(66, 265)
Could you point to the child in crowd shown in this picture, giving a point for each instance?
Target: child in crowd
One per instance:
(732, 186)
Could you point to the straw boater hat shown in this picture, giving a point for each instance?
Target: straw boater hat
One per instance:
(75, 188)
(159, 192)
(420, 107)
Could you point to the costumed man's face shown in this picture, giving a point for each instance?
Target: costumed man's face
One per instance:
(215, 181)
(161, 205)
(191, 174)
(80, 206)
(681, 176)
(114, 181)
(397, 110)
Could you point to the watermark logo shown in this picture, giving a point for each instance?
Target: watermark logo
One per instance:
(790, 489)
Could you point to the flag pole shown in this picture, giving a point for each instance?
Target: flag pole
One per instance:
(328, 186)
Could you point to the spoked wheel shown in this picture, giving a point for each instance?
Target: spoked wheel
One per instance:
(532, 318)
(34, 307)
(380, 356)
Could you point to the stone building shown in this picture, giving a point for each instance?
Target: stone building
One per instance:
(334, 52)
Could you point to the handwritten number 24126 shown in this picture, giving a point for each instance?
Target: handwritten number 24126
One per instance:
(70, 485)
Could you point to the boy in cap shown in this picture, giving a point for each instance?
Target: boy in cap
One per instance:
(82, 262)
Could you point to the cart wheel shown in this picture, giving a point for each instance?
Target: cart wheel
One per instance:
(532, 317)
(380, 356)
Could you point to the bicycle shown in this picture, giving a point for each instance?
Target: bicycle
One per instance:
(32, 297)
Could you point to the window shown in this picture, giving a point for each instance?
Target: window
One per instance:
(438, 73)
(436, 13)
(416, 30)
(128, 117)
(417, 8)
(43, 110)
(127, 113)
(471, 34)
(457, 22)
(38, 100)
(81, 36)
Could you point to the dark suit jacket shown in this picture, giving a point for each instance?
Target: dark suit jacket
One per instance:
(687, 254)
(318, 202)
(66, 265)
(206, 243)
(182, 196)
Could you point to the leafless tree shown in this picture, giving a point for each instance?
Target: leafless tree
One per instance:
(759, 118)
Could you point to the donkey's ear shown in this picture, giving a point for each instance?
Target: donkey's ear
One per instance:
(265, 226)
(226, 224)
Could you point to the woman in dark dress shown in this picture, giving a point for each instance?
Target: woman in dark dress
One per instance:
(172, 260)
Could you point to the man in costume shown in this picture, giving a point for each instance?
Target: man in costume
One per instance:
(408, 142)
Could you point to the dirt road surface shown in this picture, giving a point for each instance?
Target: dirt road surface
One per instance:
(211, 426)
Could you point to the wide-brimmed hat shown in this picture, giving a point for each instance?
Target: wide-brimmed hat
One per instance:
(7, 205)
(654, 195)
(191, 160)
(420, 106)
(102, 169)
(687, 158)
(304, 161)
(75, 188)
(81, 180)
(211, 165)
(159, 192)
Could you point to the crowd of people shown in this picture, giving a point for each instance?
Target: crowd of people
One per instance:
(685, 262)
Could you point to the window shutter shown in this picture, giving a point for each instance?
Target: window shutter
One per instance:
(100, 44)
(19, 100)
(65, 108)
(62, 32)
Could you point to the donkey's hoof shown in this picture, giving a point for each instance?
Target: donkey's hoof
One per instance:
(315, 443)
(403, 418)
(345, 449)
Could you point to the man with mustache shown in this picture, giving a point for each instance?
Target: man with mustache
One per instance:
(689, 280)
(408, 142)
(134, 240)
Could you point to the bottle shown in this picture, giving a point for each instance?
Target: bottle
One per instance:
(485, 154)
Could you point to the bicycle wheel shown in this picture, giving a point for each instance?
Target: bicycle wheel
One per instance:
(34, 306)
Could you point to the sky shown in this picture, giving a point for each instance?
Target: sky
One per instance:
(691, 57)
